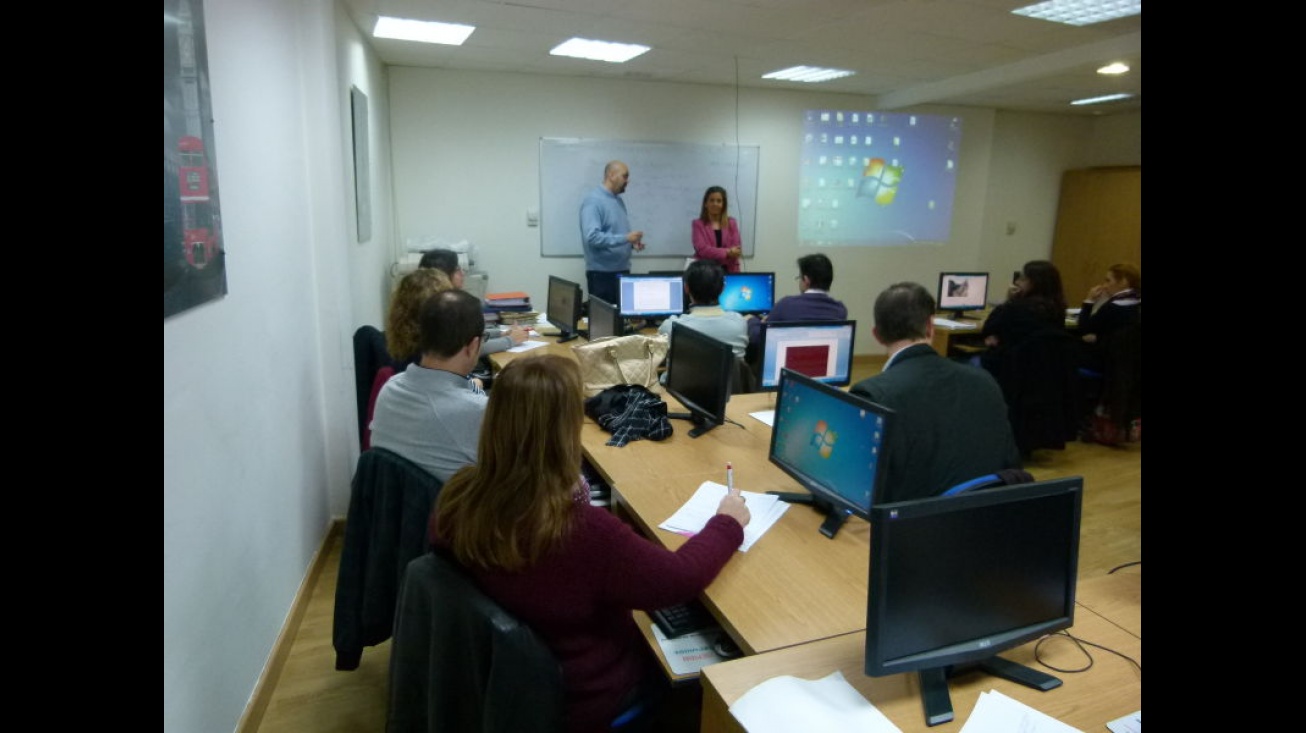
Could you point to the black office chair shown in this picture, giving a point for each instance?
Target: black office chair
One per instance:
(390, 503)
(459, 662)
(369, 356)
(744, 379)
(1040, 385)
(1005, 477)
(1113, 396)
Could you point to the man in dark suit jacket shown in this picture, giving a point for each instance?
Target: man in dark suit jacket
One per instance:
(951, 424)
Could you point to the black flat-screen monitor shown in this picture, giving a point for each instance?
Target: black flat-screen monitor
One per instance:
(699, 368)
(651, 296)
(563, 307)
(605, 319)
(954, 580)
(748, 292)
(831, 442)
(963, 292)
(822, 350)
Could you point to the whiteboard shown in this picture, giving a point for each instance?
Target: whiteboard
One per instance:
(665, 194)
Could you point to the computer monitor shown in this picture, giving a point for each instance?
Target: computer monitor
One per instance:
(650, 296)
(605, 319)
(563, 307)
(699, 368)
(831, 442)
(954, 580)
(822, 350)
(749, 292)
(963, 292)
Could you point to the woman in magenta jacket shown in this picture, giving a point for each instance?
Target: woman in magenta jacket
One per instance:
(716, 233)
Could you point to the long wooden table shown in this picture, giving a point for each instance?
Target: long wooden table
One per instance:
(948, 338)
(1110, 689)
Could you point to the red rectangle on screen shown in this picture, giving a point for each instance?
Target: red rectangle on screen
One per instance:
(809, 360)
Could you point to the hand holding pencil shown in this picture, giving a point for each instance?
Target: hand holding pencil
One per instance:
(732, 504)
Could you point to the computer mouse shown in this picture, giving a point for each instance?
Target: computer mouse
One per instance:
(725, 647)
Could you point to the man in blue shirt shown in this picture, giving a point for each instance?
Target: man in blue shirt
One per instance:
(605, 233)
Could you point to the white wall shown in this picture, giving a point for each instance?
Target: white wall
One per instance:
(466, 166)
(258, 406)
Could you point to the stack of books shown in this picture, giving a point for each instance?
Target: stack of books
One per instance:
(517, 302)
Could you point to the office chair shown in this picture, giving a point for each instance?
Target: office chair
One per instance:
(459, 662)
(369, 356)
(1005, 477)
(1113, 396)
(390, 503)
(1040, 385)
(744, 379)
(382, 376)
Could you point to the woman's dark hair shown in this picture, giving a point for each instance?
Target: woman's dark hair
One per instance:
(1044, 282)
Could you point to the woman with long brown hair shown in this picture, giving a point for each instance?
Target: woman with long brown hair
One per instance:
(521, 523)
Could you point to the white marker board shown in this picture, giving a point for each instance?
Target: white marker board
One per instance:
(667, 183)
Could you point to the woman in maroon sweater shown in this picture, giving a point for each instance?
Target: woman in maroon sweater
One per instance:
(520, 521)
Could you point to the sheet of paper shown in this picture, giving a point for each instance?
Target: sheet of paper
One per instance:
(1131, 723)
(949, 323)
(689, 653)
(766, 417)
(527, 346)
(764, 510)
(994, 712)
(784, 704)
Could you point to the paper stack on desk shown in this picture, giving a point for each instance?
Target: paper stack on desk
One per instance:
(690, 519)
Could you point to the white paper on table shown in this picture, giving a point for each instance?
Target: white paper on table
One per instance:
(784, 704)
(1131, 723)
(766, 417)
(689, 653)
(996, 713)
(527, 346)
(689, 520)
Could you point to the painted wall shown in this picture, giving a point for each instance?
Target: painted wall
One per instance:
(258, 398)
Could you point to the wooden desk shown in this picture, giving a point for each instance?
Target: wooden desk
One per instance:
(1117, 597)
(1112, 688)
(794, 585)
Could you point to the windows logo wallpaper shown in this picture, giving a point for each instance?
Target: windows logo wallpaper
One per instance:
(876, 179)
(834, 441)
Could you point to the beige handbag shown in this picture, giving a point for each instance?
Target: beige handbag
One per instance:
(613, 360)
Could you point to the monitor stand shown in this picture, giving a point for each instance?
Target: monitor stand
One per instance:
(701, 424)
(565, 336)
(934, 684)
(834, 516)
(961, 315)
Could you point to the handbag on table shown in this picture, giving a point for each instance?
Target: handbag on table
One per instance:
(613, 360)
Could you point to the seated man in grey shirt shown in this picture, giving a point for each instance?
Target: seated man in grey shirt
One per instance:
(431, 413)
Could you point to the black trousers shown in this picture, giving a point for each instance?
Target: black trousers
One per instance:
(603, 285)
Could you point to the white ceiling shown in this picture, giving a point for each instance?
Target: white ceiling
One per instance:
(905, 52)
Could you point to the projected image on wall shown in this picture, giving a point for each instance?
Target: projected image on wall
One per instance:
(875, 179)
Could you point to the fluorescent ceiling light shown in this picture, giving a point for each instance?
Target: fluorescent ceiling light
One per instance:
(808, 74)
(584, 48)
(1098, 100)
(1114, 69)
(426, 31)
(1081, 12)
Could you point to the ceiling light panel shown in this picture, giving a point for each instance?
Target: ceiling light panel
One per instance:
(584, 48)
(810, 74)
(1081, 12)
(423, 31)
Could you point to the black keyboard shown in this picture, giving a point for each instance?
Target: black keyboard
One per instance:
(684, 618)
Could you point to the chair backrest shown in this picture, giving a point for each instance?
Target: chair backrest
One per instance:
(1005, 477)
(369, 356)
(390, 503)
(382, 376)
(460, 662)
(743, 380)
(1040, 385)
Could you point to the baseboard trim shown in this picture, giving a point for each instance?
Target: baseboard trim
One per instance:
(252, 719)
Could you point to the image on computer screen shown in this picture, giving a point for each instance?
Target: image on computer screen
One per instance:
(749, 292)
(822, 350)
(830, 441)
(868, 178)
(960, 292)
(651, 296)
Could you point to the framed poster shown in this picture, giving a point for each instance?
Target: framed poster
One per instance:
(362, 164)
(194, 259)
